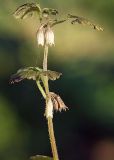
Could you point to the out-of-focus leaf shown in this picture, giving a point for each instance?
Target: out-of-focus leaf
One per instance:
(84, 21)
(38, 157)
(33, 73)
(27, 10)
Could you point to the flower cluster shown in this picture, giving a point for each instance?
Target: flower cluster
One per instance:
(45, 35)
(54, 103)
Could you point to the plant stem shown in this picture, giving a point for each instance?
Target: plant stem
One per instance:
(41, 89)
(49, 119)
(45, 57)
(52, 139)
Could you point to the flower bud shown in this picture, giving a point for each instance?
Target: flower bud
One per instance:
(49, 109)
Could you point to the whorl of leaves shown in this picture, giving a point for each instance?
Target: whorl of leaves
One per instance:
(33, 73)
(38, 157)
(27, 10)
(84, 21)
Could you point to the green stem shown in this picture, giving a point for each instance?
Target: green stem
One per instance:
(49, 119)
(41, 89)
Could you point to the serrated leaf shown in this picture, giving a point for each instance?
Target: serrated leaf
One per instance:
(33, 73)
(52, 75)
(38, 157)
(26, 73)
(27, 10)
(58, 22)
(84, 21)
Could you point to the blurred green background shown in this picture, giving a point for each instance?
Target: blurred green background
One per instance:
(86, 59)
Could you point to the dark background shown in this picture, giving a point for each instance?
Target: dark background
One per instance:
(86, 59)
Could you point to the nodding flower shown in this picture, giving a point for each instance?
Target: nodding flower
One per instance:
(41, 36)
(45, 35)
(58, 103)
(49, 36)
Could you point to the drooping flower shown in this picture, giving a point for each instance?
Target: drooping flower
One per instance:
(49, 36)
(45, 35)
(41, 36)
(58, 103)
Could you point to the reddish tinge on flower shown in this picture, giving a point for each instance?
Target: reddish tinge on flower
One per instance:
(58, 103)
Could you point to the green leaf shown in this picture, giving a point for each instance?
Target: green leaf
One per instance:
(38, 157)
(27, 10)
(33, 73)
(52, 75)
(84, 21)
(26, 73)
(58, 22)
(53, 11)
(49, 11)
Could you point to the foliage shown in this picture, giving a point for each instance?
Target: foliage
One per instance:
(34, 73)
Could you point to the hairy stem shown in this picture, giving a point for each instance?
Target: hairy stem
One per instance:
(49, 119)
(52, 139)
(45, 57)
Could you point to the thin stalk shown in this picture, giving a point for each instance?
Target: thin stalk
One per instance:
(52, 139)
(41, 89)
(45, 57)
(49, 119)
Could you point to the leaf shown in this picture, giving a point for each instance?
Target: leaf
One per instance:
(27, 10)
(49, 11)
(33, 73)
(84, 21)
(52, 75)
(38, 157)
(58, 22)
(26, 73)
